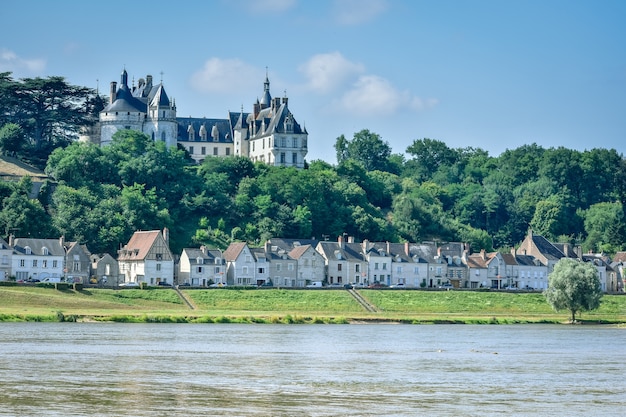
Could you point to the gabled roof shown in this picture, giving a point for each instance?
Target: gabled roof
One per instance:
(290, 244)
(546, 248)
(298, 251)
(620, 257)
(139, 245)
(234, 250)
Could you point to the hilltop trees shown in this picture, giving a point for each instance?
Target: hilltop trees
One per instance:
(50, 112)
(574, 286)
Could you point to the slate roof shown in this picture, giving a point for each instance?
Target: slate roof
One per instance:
(350, 251)
(223, 128)
(197, 253)
(36, 246)
(546, 248)
(527, 260)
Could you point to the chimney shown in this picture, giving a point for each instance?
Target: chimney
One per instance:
(365, 244)
(203, 249)
(166, 236)
(482, 254)
(148, 81)
(388, 248)
(406, 248)
(62, 241)
(350, 239)
(340, 241)
(267, 246)
(285, 100)
(113, 93)
(11, 240)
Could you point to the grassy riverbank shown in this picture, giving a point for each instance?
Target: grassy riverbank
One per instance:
(21, 303)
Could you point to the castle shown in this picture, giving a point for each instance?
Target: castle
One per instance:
(269, 133)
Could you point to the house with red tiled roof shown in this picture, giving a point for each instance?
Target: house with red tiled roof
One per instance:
(147, 258)
(240, 264)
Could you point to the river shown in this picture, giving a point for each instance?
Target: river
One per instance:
(111, 369)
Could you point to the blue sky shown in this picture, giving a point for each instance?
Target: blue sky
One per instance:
(486, 74)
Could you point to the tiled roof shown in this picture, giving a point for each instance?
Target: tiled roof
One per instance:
(139, 245)
(233, 251)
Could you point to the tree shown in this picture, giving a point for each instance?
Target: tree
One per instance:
(11, 139)
(574, 286)
(365, 147)
(50, 111)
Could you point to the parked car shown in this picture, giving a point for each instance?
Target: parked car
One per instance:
(218, 285)
(376, 285)
(164, 284)
(446, 286)
(399, 285)
(348, 286)
(130, 284)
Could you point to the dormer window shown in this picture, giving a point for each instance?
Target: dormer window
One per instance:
(45, 251)
(199, 260)
(203, 133)
(28, 250)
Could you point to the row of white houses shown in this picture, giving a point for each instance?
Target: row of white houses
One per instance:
(296, 263)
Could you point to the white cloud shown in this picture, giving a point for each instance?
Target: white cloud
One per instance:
(355, 12)
(373, 95)
(327, 71)
(270, 6)
(11, 62)
(225, 76)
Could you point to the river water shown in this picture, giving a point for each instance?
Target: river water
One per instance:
(106, 369)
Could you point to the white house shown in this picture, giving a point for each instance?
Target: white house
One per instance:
(202, 266)
(147, 258)
(240, 264)
(41, 259)
(5, 260)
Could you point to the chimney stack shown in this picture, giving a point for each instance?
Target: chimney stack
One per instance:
(113, 93)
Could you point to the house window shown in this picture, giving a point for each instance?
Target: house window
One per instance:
(107, 269)
(261, 270)
(384, 266)
(217, 270)
(244, 270)
(248, 258)
(158, 267)
(278, 267)
(28, 250)
(199, 270)
(416, 270)
(376, 265)
(55, 264)
(215, 151)
(158, 256)
(290, 267)
(338, 267)
(76, 266)
(34, 263)
(5, 260)
(357, 268)
(45, 250)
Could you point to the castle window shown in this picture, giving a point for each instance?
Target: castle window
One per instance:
(282, 157)
(191, 150)
(163, 136)
(294, 158)
(227, 151)
(215, 151)
(127, 127)
(164, 114)
(203, 150)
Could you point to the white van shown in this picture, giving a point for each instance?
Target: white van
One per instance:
(315, 284)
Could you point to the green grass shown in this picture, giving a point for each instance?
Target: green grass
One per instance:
(274, 301)
(232, 305)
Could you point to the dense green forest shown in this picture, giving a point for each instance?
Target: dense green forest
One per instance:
(429, 191)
